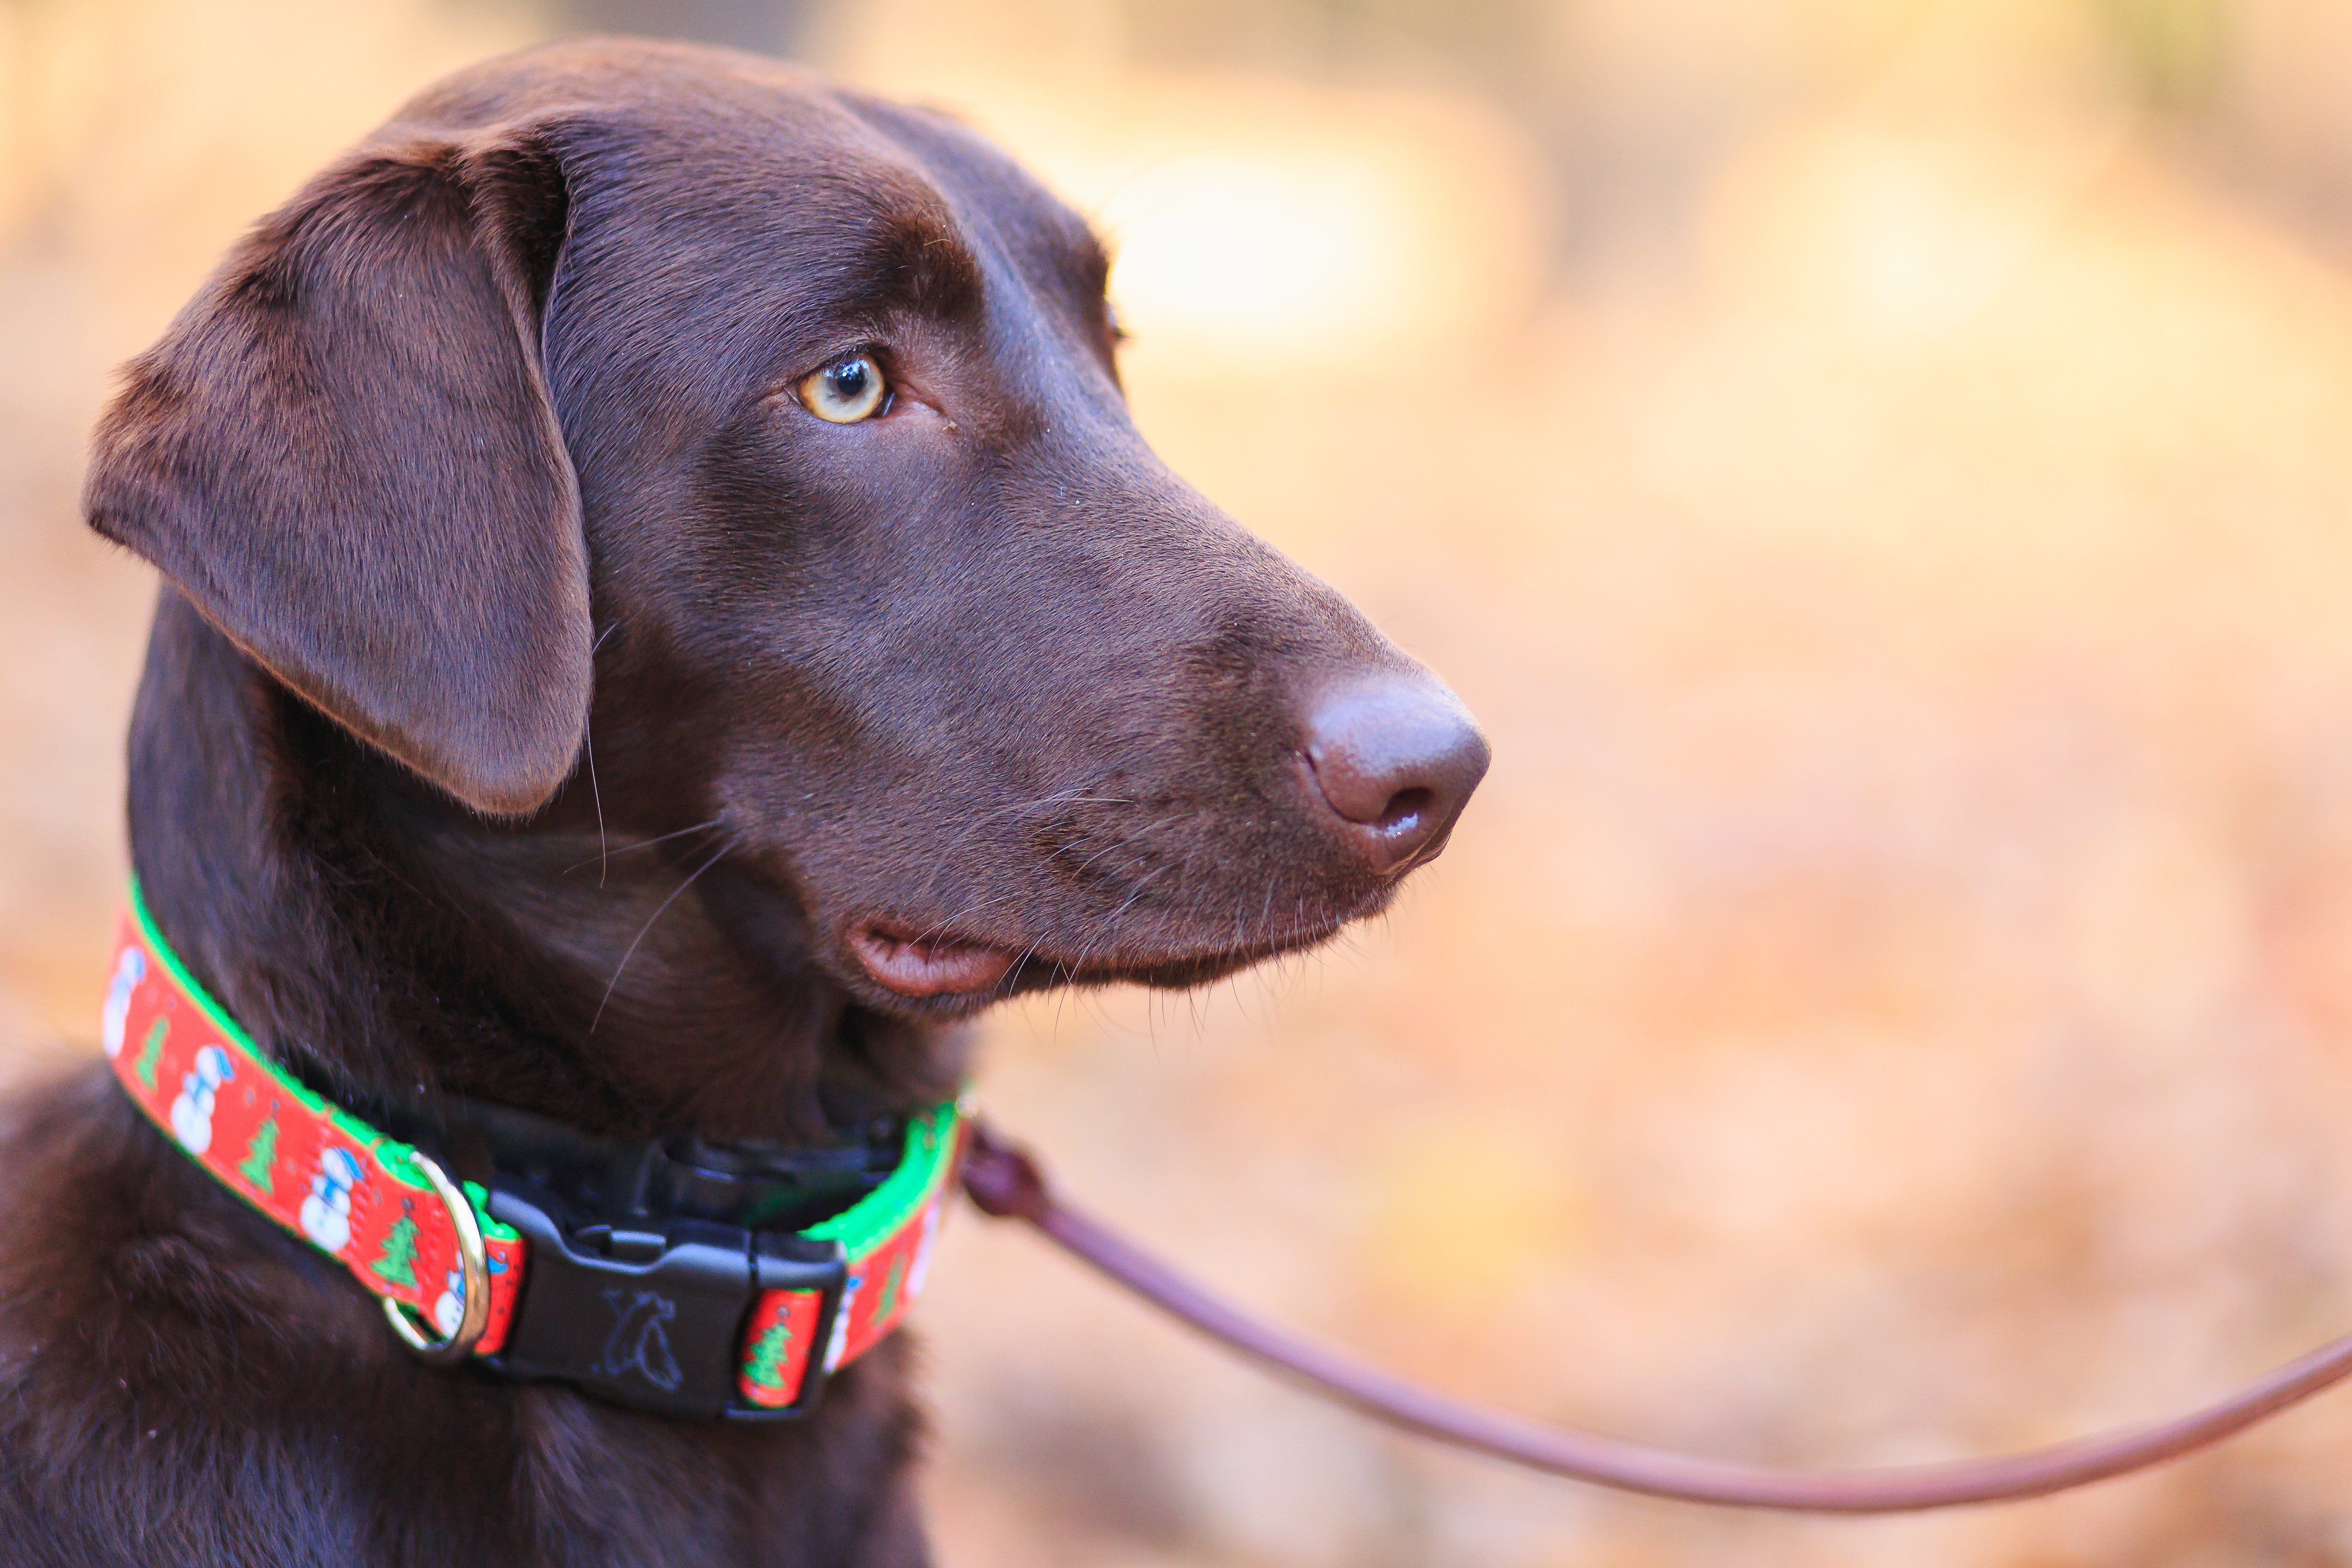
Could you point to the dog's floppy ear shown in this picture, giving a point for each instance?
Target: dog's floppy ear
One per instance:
(344, 452)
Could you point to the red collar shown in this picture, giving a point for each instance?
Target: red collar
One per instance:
(684, 1316)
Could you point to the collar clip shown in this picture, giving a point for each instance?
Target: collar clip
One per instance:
(645, 1311)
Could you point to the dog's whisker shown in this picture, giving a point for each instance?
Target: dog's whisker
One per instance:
(641, 844)
(1020, 808)
(968, 912)
(588, 740)
(1129, 902)
(648, 926)
(1107, 929)
(596, 793)
(1058, 798)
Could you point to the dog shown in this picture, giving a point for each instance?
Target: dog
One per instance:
(664, 615)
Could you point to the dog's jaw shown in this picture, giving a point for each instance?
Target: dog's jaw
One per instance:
(942, 976)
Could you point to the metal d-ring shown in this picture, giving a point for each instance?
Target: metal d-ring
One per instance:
(473, 1258)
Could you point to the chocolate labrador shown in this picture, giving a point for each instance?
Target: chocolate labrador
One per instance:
(664, 612)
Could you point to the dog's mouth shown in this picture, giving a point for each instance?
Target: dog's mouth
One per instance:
(953, 971)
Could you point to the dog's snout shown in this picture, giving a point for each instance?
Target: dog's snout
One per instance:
(1396, 762)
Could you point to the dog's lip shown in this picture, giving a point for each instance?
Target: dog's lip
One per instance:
(926, 963)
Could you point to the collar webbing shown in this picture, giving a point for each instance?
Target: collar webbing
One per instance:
(366, 1199)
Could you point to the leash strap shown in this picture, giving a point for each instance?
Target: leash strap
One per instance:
(385, 1213)
(389, 1215)
(1005, 1181)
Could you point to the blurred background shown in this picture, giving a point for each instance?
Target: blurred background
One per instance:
(1881, 469)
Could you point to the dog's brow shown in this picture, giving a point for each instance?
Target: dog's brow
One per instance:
(917, 261)
(1090, 262)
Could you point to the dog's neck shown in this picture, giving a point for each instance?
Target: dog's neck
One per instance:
(390, 945)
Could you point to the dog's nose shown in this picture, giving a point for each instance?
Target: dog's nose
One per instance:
(1396, 761)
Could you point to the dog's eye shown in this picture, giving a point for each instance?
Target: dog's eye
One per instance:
(846, 390)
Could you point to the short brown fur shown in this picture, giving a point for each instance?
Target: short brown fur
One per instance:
(538, 695)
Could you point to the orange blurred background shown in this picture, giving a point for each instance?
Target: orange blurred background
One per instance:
(1881, 469)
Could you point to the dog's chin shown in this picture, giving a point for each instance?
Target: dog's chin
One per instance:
(933, 973)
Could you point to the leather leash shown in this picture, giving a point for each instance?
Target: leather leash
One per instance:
(1005, 1181)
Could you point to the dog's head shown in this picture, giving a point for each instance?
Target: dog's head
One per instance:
(773, 436)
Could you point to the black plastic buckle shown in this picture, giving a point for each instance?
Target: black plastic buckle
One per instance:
(650, 1313)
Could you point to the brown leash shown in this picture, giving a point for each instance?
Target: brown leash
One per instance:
(1005, 1181)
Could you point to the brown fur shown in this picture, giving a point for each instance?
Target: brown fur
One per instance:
(537, 696)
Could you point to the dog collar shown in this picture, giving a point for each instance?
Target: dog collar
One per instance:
(686, 1317)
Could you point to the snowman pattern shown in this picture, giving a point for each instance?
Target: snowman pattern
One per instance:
(450, 1309)
(327, 1211)
(838, 1346)
(922, 1269)
(129, 971)
(192, 1112)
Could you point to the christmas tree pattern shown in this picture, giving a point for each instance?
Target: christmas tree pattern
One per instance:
(153, 1053)
(399, 1251)
(768, 1356)
(260, 1158)
(889, 1292)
